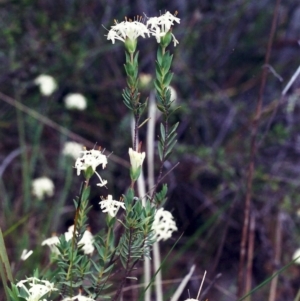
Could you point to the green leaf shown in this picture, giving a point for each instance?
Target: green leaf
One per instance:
(160, 151)
(5, 271)
(127, 56)
(86, 193)
(158, 86)
(173, 128)
(130, 69)
(171, 138)
(162, 132)
(167, 61)
(161, 108)
(158, 72)
(167, 79)
(159, 55)
(135, 59)
(170, 147)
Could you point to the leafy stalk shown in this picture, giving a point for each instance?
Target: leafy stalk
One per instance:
(167, 137)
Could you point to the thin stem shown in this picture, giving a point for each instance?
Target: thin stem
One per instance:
(250, 254)
(127, 269)
(25, 162)
(253, 151)
(278, 251)
(166, 125)
(74, 241)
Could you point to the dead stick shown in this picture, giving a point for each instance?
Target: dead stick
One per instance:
(250, 254)
(278, 249)
(253, 150)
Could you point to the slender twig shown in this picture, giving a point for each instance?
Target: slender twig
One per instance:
(45, 120)
(158, 278)
(253, 150)
(250, 254)
(291, 81)
(278, 249)
(183, 284)
(200, 288)
(127, 268)
(223, 238)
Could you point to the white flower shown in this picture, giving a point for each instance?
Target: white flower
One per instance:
(145, 80)
(86, 241)
(42, 187)
(26, 254)
(136, 161)
(136, 158)
(75, 101)
(163, 225)
(127, 30)
(72, 149)
(91, 158)
(173, 94)
(111, 206)
(296, 256)
(160, 26)
(52, 242)
(46, 83)
(36, 288)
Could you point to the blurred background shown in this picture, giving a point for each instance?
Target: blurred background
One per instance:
(217, 69)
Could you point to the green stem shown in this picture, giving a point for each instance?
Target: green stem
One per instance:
(74, 240)
(25, 164)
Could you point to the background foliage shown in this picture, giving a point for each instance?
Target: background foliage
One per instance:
(217, 71)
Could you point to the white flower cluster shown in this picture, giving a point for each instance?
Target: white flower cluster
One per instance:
(160, 26)
(86, 241)
(111, 206)
(163, 225)
(72, 149)
(156, 26)
(42, 187)
(36, 288)
(91, 158)
(75, 101)
(46, 83)
(127, 30)
(78, 298)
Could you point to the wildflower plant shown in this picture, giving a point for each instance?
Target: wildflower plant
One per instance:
(84, 266)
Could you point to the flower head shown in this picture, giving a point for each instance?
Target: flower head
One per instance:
(42, 187)
(52, 242)
(86, 241)
(164, 224)
(296, 256)
(75, 101)
(127, 32)
(111, 206)
(79, 298)
(136, 161)
(46, 84)
(36, 288)
(72, 149)
(91, 158)
(26, 254)
(160, 27)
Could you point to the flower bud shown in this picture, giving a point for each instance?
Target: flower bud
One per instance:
(136, 161)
